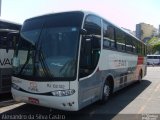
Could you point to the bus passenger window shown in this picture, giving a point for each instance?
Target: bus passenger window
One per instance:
(3, 39)
(129, 43)
(120, 40)
(108, 36)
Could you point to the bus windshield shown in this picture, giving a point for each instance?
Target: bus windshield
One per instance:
(49, 47)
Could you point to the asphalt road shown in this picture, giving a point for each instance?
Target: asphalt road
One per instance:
(135, 102)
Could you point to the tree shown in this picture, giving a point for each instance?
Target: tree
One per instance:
(153, 45)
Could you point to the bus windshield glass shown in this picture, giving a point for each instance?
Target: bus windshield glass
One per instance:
(49, 47)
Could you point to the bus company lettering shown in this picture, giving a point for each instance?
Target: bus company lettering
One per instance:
(56, 86)
(120, 63)
(5, 61)
(33, 86)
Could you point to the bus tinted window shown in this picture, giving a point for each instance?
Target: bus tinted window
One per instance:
(120, 40)
(108, 36)
(129, 44)
(3, 39)
(155, 57)
(134, 45)
(139, 48)
(93, 25)
(150, 57)
(58, 20)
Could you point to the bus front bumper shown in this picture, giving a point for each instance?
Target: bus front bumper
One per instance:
(68, 103)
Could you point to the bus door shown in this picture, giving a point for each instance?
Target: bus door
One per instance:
(89, 82)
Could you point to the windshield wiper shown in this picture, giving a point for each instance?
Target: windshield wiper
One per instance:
(45, 67)
(27, 60)
(67, 67)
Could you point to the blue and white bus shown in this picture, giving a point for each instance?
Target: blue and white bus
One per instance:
(6, 56)
(72, 59)
(153, 59)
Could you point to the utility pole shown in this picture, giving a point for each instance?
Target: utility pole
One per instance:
(0, 6)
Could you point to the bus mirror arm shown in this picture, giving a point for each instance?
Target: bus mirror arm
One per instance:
(83, 31)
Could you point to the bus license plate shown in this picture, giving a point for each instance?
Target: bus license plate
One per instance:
(33, 100)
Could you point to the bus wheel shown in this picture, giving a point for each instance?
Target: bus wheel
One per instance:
(106, 91)
(140, 77)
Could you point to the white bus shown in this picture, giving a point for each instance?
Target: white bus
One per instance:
(6, 55)
(153, 59)
(72, 59)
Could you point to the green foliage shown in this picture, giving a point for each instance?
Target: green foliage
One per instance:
(153, 45)
(156, 46)
(152, 41)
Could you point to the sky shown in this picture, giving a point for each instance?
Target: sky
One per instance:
(124, 13)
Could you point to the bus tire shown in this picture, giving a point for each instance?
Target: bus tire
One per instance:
(140, 77)
(106, 92)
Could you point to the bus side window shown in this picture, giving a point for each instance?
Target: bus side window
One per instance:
(138, 47)
(12, 40)
(129, 43)
(120, 40)
(134, 46)
(108, 36)
(155, 57)
(3, 40)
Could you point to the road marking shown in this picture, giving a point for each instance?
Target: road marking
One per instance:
(144, 106)
(148, 100)
(5, 109)
(6, 103)
(141, 109)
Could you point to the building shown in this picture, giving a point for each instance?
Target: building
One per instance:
(145, 31)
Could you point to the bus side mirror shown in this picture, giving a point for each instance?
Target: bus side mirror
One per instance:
(12, 39)
(83, 31)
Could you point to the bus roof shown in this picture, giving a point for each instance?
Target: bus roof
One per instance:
(7, 30)
(153, 55)
(9, 26)
(6, 21)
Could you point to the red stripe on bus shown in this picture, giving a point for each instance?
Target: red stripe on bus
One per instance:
(140, 60)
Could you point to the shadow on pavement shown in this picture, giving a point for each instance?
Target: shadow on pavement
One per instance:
(5, 96)
(115, 104)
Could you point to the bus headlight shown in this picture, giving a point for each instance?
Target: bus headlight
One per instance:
(60, 93)
(15, 86)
